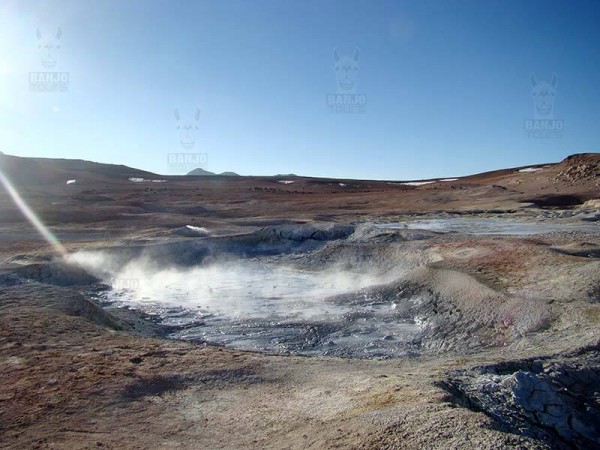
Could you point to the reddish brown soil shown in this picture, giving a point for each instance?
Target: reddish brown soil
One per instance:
(67, 382)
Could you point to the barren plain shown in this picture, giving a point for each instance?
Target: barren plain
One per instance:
(456, 313)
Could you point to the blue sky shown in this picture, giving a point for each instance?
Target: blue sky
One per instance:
(446, 84)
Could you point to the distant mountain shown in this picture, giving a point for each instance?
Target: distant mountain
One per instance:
(202, 172)
(286, 175)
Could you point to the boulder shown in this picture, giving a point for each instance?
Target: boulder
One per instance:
(591, 204)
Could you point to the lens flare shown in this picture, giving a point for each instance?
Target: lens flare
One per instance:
(31, 216)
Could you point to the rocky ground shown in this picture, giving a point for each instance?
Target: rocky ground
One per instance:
(508, 354)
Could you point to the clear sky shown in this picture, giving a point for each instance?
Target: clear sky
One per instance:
(445, 85)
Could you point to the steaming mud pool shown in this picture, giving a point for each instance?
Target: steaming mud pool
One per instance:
(258, 306)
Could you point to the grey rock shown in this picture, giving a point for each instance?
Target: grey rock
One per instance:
(592, 217)
(546, 401)
(9, 279)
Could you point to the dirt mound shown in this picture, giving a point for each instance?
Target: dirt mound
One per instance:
(579, 167)
(581, 158)
(300, 233)
(57, 273)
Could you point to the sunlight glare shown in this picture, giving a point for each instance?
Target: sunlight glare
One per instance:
(31, 216)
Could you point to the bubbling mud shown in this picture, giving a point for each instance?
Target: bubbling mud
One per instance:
(258, 305)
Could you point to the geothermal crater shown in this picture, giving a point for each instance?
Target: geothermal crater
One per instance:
(262, 302)
(324, 289)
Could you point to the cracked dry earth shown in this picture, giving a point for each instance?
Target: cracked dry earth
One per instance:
(508, 358)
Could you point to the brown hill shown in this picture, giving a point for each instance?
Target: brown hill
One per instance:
(45, 171)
